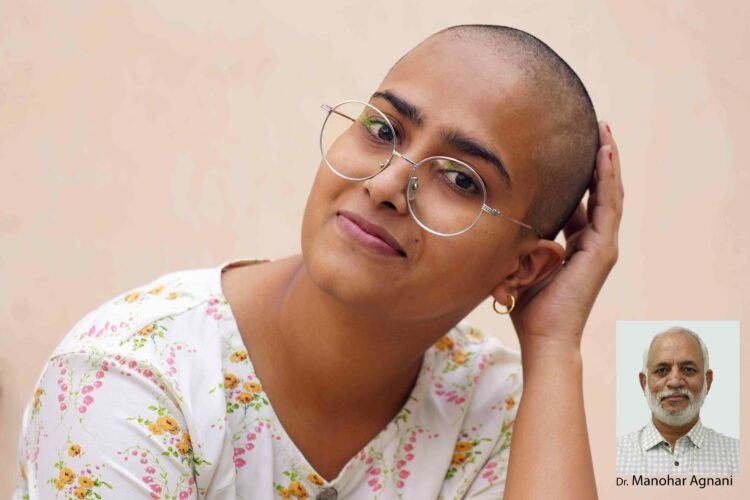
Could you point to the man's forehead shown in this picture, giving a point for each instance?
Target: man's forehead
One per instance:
(675, 347)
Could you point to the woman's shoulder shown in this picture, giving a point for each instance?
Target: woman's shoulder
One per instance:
(125, 323)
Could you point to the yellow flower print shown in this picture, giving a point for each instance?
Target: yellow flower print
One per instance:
(252, 387)
(132, 297)
(509, 402)
(59, 484)
(459, 357)
(315, 479)
(186, 439)
(23, 472)
(66, 475)
(230, 381)
(146, 330)
(155, 429)
(297, 489)
(238, 356)
(462, 446)
(285, 493)
(182, 448)
(74, 450)
(244, 397)
(37, 394)
(458, 458)
(157, 290)
(168, 424)
(172, 296)
(80, 493)
(444, 343)
(85, 482)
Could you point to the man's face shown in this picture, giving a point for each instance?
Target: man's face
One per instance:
(458, 87)
(675, 385)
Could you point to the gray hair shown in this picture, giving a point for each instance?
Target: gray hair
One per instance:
(676, 329)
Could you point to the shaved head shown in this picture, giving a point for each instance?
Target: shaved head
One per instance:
(564, 156)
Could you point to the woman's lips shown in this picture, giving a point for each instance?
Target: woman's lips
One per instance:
(370, 241)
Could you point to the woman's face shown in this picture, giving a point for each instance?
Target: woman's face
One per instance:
(455, 86)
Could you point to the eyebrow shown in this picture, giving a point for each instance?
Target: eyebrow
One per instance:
(455, 138)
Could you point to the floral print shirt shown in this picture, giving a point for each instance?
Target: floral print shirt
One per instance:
(153, 395)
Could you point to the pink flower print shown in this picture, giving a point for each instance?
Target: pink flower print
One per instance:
(399, 484)
(131, 364)
(63, 371)
(148, 373)
(238, 451)
(88, 400)
(408, 447)
(249, 446)
(63, 407)
(61, 398)
(213, 301)
(373, 481)
(155, 488)
(97, 384)
(403, 474)
(218, 316)
(250, 436)
(239, 462)
(81, 409)
(99, 374)
(374, 472)
(400, 463)
(210, 311)
(409, 457)
(147, 479)
(64, 387)
(183, 494)
(150, 469)
(86, 389)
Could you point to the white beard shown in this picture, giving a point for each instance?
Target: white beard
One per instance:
(676, 418)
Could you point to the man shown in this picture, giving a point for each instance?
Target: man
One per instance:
(675, 380)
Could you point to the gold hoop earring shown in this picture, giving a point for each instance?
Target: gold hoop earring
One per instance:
(510, 309)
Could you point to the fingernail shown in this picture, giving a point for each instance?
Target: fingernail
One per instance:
(608, 129)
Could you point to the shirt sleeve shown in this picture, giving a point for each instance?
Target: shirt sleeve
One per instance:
(104, 426)
(489, 483)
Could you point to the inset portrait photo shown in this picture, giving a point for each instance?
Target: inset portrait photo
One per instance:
(678, 398)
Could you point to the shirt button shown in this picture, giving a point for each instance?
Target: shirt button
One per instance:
(677, 463)
(328, 494)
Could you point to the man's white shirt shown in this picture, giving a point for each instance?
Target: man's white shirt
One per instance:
(701, 451)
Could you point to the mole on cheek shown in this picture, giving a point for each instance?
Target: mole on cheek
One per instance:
(416, 241)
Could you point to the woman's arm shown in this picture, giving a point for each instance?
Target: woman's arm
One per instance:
(106, 428)
(550, 450)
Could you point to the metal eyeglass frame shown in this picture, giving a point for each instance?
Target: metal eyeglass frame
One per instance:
(412, 184)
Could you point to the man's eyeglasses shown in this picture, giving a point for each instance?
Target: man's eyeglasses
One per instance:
(445, 196)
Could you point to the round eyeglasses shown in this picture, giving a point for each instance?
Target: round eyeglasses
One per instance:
(448, 196)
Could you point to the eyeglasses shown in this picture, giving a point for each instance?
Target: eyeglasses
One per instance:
(448, 196)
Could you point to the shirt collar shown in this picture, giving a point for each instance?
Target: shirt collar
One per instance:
(650, 437)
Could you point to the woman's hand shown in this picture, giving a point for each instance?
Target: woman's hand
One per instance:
(549, 320)
(557, 308)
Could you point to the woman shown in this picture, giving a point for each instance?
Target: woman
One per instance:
(346, 371)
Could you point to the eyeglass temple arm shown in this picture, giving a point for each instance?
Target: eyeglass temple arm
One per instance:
(498, 213)
(328, 109)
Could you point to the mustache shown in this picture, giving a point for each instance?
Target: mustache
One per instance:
(675, 392)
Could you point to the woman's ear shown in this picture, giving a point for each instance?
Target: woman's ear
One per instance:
(534, 266)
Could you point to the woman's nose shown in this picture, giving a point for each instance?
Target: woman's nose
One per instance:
(389, 185)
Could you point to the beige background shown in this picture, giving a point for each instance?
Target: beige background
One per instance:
(137, 139)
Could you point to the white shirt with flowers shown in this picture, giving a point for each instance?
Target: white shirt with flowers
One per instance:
(153, 395)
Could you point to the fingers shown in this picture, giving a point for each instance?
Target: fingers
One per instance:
(576, 222)
(606, 207)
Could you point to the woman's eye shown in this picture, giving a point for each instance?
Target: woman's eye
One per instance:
(379, 129)
(461, 180)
